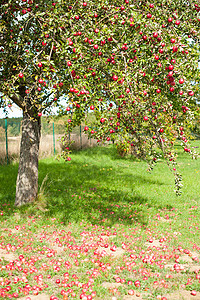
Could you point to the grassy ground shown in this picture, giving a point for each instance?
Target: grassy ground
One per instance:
(102, 227)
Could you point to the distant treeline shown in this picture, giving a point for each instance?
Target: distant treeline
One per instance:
(11, 121)
(14, 125)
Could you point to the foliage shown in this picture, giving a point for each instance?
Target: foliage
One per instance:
(133, 64)
(196, 124)
(123, 148)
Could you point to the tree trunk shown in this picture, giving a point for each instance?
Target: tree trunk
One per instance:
(27, 179)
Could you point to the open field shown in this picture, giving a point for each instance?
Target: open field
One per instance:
(102, 228)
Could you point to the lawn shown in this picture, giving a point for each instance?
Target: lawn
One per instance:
(102, 228)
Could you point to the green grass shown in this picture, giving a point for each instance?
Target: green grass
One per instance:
(99, 193)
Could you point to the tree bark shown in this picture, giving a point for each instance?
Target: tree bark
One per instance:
(27, 179)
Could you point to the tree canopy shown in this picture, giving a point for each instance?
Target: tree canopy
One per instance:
(134, 64)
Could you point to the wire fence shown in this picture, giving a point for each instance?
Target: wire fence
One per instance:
(50, 143)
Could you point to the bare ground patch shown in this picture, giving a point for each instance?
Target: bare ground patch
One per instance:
(36, 297)
(8, 256)
(154, 243)
(161, 219)
(111, 285)
(137, 296)
(184, 268)
(6, 231)
(182, 295)
(185, 258)
(108, 252)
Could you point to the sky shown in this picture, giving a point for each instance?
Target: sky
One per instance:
(16, 112)
(13, 112)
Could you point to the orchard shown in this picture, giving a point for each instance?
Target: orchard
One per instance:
(133, 64)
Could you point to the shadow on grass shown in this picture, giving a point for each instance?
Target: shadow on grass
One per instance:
(8, 175)
(97, 191)
(109, 151)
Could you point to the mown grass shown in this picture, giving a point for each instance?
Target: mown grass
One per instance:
(98, 191)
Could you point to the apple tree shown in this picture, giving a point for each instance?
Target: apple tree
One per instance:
(133, 64)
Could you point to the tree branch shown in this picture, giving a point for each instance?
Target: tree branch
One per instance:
(16, 99)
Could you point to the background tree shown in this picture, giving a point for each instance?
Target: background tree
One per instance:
(130, 62)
